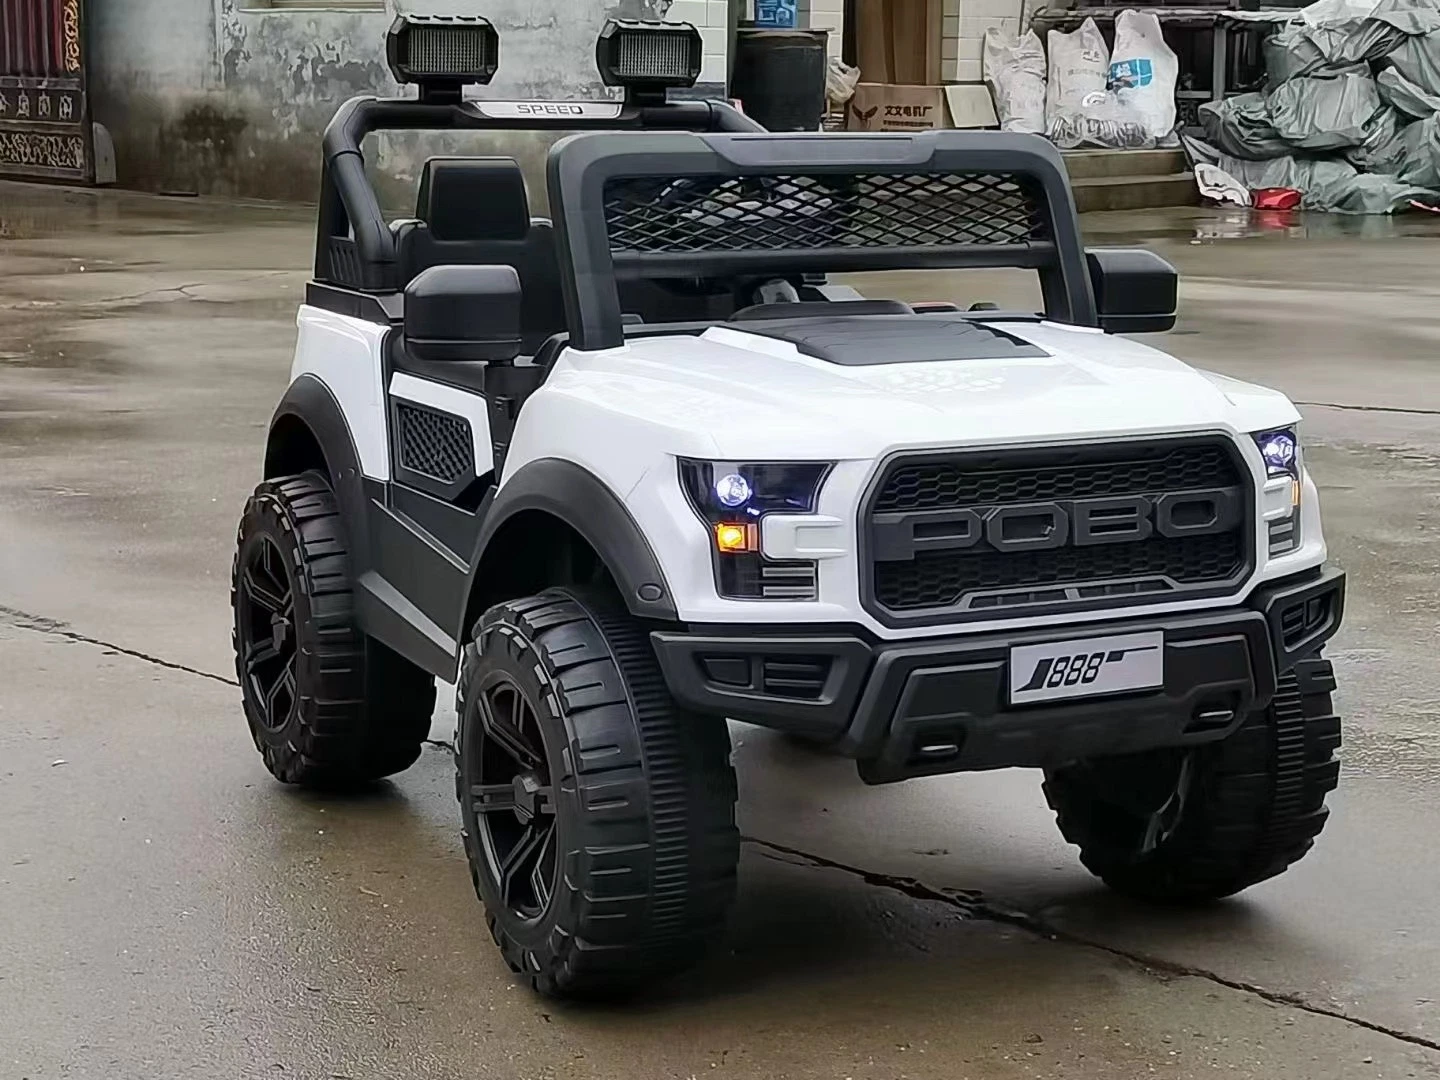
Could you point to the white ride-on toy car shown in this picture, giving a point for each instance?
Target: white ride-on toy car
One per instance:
(645, 469)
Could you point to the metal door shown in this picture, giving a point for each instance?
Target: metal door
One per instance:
(45, 128)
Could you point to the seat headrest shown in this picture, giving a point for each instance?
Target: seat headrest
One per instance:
(473, 199)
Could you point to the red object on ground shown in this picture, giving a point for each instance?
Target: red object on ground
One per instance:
(1275, 198)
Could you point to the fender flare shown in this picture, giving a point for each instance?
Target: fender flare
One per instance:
(580, 499)
(310, 402)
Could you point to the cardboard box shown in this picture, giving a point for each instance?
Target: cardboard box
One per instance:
(891, 107)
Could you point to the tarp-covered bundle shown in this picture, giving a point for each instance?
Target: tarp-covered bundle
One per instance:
(1349, 114)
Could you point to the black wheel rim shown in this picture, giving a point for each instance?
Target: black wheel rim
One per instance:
(266, 632)
(1142, 799)
(513, 800)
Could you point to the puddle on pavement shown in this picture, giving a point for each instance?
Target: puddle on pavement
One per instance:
(33, 212)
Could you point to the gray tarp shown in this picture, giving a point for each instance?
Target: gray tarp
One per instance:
(1405, 96)
(1420, 163)
(1383, 148)
(1241, 126)
(1418, 59)
(1351, 113)
(1313, 113)
(1324, 183)
(1331, 35)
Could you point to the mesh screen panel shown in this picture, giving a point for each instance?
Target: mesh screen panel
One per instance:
(434, 444)
(650, 216)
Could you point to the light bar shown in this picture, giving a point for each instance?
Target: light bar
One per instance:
(442, 53)
(648, 56)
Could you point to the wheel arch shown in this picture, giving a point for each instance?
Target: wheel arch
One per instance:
(308, 431)
(542, 526)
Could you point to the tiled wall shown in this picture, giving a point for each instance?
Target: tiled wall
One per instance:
(964, 34)
(824, 15)
(712, 17)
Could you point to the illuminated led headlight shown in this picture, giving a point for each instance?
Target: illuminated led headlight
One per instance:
(1280, 450)
(731, 498)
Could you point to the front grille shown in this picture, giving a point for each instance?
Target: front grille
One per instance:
(779, 213)
(434, 444)
(994, 533)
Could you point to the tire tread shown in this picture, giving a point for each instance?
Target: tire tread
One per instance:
(1261, 802)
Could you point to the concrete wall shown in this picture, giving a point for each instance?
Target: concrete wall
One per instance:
(221, 97)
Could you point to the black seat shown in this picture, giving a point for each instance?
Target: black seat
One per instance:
(473, 211)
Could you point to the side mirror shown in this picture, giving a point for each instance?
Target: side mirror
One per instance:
(1136, 291)
(463, 313)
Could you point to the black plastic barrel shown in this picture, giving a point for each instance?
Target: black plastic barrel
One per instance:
(779, 77)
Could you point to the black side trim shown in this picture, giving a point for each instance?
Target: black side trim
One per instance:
(410, 592)
(566, 491)
(383, 308)
(454, 527)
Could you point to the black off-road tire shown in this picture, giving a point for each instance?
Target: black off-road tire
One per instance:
(359, 711)
(1255, 802)
(644, 798)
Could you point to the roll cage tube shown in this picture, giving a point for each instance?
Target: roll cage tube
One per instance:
(354, 246)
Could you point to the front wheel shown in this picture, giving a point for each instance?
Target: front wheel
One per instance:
(1198, 824)
(327, 705)
(599, 819)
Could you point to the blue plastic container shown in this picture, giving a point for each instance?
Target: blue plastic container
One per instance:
(775, 14)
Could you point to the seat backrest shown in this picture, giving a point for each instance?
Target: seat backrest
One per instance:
(473, 211)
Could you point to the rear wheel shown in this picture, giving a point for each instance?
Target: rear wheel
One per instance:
(327, 706)
(1199, 824)
(599, 818)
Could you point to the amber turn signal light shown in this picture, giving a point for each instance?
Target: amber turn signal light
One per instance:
(732, 538)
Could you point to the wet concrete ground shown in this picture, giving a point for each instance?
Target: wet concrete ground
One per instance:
(166, 910)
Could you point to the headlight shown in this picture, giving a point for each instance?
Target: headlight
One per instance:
(731, 498)
(1280, 450)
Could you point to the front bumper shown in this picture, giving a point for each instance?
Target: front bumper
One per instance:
(916, 708)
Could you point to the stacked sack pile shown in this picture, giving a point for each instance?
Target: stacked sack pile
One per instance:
(1351, 112)
(1085, 94)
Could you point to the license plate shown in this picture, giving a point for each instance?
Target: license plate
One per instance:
(1085, 667)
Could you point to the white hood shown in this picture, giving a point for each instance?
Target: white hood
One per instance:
(730, 394)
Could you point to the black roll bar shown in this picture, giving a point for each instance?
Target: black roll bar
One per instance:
(354, 246)
(582, 170)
